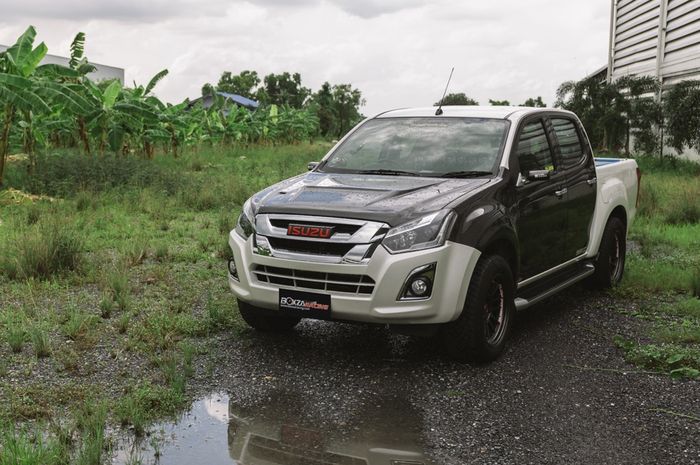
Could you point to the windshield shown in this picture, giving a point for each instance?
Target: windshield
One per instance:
(421, 147)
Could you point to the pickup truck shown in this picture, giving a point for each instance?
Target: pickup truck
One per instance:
(437, 223)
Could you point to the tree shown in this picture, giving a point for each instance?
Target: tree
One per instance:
(322, 104)
(644, 115)
(683, 119)
(243, 84)
(347, 103)
(499, 103)
(18, 91)
(600, 106)
(337, 108)
(207, 90)
(283, 89)
(534, 102)
(457, 99)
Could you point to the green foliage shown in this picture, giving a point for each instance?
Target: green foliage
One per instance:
(29, 446)
(70, 174)
(283, 89)
(15, 334)
(499, 103)
(676, 360)
(337, 108)
(146, 402)
(681, 105)
(244, 83)
(40, 341)
(53, 107)
(118, 288)
(600, 107)
(613, 112)
(78, 324)
(534, 102)
(91, 419)
(456, 99)
(695, 286)
(46, 248)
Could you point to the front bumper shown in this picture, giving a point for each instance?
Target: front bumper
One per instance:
(455, 264)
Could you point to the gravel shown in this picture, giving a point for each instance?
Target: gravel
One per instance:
(560, 394)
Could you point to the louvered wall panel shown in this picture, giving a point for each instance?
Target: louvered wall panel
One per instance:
(682, 51)
(636, 37)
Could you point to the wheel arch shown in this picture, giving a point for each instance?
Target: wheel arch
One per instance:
(600, 220)
(505, 248)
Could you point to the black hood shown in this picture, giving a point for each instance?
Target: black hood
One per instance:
(390, 199)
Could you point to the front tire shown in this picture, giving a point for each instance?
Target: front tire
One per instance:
(264, 320)
(480, 333)
(610, 264)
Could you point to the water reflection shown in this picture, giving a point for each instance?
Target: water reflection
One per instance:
(280, 431)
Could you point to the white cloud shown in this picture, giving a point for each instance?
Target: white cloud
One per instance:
(398, 52)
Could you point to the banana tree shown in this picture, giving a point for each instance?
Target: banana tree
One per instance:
(18, 92)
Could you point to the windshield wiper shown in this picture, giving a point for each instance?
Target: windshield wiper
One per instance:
(465, 174)
(389, 172)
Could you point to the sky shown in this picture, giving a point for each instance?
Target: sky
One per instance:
(397, 52)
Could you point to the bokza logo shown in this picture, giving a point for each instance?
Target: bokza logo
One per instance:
(302, 304)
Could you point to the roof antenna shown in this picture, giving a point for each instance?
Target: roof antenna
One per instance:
(438, 112)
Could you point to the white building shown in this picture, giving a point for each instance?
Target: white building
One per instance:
(659, 38)
(101, 73)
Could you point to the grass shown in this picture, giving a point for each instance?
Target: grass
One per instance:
(145, 402)
(111, 258)
(663, 273)
(40, 341)
(28, 446)
(15, 335)
(42, 250)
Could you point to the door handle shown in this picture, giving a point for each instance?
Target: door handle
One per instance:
(560, 193)
(592, 181)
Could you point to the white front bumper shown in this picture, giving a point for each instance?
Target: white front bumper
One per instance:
(455, 264)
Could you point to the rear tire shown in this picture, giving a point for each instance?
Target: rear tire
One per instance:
(480, 333)
(610, 264)
(264, 320)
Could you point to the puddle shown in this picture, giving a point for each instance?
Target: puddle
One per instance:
(216, 431)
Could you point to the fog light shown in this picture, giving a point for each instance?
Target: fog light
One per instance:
(420, 286)
(232, 270)
(419, 283)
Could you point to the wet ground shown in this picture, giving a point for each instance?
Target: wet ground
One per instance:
(346, 394)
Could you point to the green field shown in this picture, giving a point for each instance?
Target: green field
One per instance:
(113, 278)
(113, 282)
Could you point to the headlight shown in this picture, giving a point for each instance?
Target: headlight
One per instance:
(424, 233)
(245, 226)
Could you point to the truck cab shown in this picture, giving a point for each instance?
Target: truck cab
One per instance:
(436, 223)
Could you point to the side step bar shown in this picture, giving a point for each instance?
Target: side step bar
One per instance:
(586, 270)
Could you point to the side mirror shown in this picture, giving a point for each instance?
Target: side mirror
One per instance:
(538, 175)
(312, 165)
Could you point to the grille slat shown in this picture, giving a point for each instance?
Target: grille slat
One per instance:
(352, 241)
(314, 280)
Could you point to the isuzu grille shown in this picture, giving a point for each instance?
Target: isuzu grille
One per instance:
(351, 241)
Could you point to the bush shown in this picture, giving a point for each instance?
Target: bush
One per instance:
(64, 174)
(15, 335)
(695, 283)
(29, 447)
(40, 341)
(41, 251)
(684, 210)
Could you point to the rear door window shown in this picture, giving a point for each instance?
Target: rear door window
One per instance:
(570, 145)
(534, 152)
